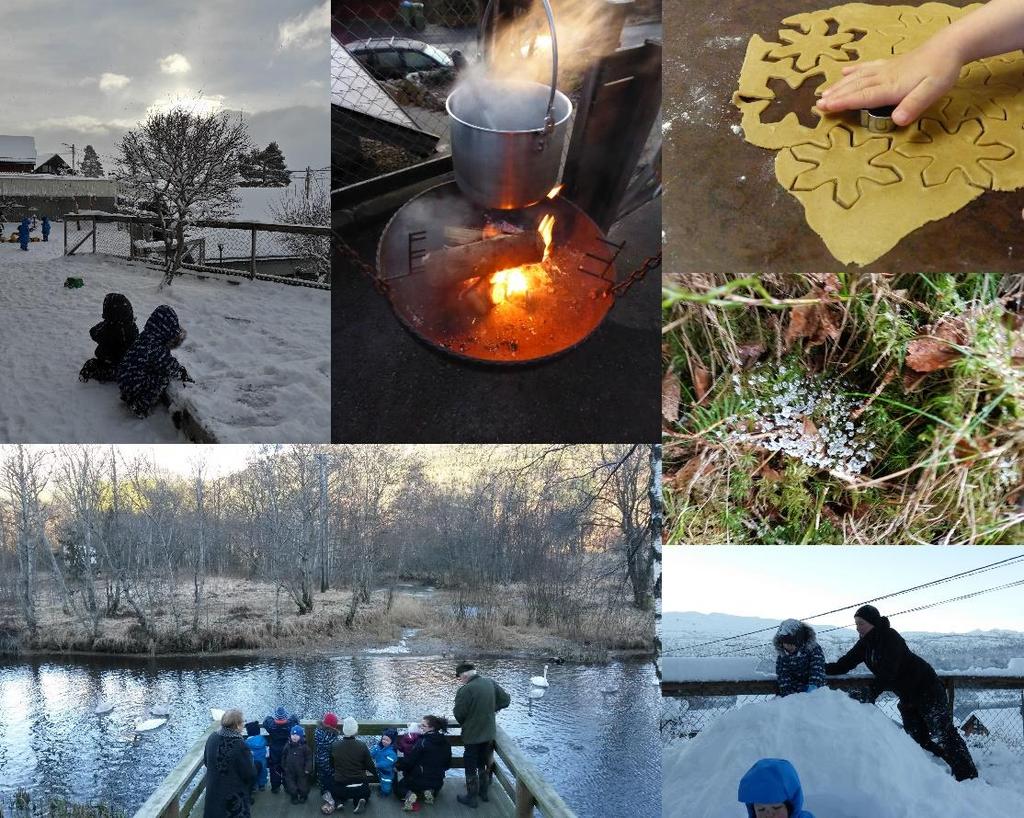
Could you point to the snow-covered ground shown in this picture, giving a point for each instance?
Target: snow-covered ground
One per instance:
(853, 761)
(259, 351)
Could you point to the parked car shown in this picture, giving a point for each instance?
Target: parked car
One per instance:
(396, 57)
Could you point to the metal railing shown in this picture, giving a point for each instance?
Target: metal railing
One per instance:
(286, 253)
(521, 788)
(995, 702)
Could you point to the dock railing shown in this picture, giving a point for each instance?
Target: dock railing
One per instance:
(521, 787)
(968, 694)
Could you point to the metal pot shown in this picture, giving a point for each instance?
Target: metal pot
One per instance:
(507, 136)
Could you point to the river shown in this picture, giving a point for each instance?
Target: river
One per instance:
(594, 734)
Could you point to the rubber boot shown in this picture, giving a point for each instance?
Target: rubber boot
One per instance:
(472, 788)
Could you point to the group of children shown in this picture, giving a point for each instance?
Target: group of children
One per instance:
(343, 766)
(140, 362)
(26, 228)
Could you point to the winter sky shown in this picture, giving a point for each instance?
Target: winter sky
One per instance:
(780, 582)
(85, 72)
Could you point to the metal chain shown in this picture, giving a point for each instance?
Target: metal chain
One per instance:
(365, 268)
(652, 263)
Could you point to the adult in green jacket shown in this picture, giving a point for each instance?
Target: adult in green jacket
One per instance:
(476, 702)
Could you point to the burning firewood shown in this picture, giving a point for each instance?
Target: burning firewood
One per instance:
(454, 236)
(450, 265)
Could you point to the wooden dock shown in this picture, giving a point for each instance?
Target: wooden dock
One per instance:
(516, 791)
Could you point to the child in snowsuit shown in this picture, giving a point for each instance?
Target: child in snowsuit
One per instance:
(324, 736)
(424, 766)
(771, 789)
(46, 228)
(23, 234)
(800, 661)
(385, 757)
(297, 764)
(279, 727)
(408, 740)
(148, 367)
(113, 336)
(258, 745)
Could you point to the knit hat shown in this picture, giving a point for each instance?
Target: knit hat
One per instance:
(464, 667)
(349, 727)
(870, 614)
(298, 731)
(252, 728)
(330, 720)
(280, 714)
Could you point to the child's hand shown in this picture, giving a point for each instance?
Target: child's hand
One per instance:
(911, 82)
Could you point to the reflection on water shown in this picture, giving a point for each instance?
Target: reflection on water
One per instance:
(601, 750)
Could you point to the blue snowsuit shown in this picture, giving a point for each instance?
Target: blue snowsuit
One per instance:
(385, 758)
(148, 366)
(23, 234)
(279, 730)
(46, 228)
(258, 745)
(804, 669)
(773, 781)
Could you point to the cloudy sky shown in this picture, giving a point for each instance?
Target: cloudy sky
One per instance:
(84, 72)
(778, 582)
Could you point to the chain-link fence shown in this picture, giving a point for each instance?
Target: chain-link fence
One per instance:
(392, 67)
(291, 253)
(989, 711)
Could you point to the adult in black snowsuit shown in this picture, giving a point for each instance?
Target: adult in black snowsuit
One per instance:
(279, 728)
(923, 704)
(423, 767)
(113, 336)
(148, 367)
(230, 772)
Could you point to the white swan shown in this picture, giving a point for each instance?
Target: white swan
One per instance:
(540, 681)
(149, 724)
(215, 714)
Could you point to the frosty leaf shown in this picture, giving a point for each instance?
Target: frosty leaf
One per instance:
(670, 396)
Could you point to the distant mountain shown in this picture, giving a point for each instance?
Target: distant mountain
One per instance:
(681, 631)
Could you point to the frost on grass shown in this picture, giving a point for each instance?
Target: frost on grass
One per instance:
(812, 418)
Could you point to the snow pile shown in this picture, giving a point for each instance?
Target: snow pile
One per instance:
(853, 762)
(259, 351)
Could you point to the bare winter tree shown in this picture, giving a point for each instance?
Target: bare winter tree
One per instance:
(186, 164)
(309, 206)
(23, 483)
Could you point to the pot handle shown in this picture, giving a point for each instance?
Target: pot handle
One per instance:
(549, 117)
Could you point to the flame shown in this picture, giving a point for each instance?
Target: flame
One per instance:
(555, 191)
(515, 281)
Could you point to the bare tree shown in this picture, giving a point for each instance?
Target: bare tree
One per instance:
(186, 165)
(23, 483)
(312, 207)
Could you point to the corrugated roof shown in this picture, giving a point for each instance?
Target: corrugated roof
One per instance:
(17, 149)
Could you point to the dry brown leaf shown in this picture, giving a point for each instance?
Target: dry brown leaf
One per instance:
(912, 380)
(809, 428)
(694, 469)
(770, 474)
(932, 352)
(1017, 354)
(749, 354)
(701, 382)
(670, 396)
(815, 322)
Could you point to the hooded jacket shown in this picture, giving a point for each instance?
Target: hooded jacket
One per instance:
(803, 668)
(117, 331)
(773, 781)
(278, 730)
(323, 738)
(895, 666)
(425, 765)
(148, 366)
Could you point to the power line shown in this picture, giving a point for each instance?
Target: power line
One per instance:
(972, 572)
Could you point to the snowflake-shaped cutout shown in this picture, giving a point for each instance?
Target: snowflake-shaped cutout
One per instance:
(810, 43)
(844, 165)
(963, 150)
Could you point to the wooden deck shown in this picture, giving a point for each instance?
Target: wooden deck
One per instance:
(268, 805)
(517, 788)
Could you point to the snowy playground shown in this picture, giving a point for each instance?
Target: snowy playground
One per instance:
(259, 352)
(852, 759)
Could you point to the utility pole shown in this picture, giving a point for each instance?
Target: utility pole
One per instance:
(309, 172)
(72, 146)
